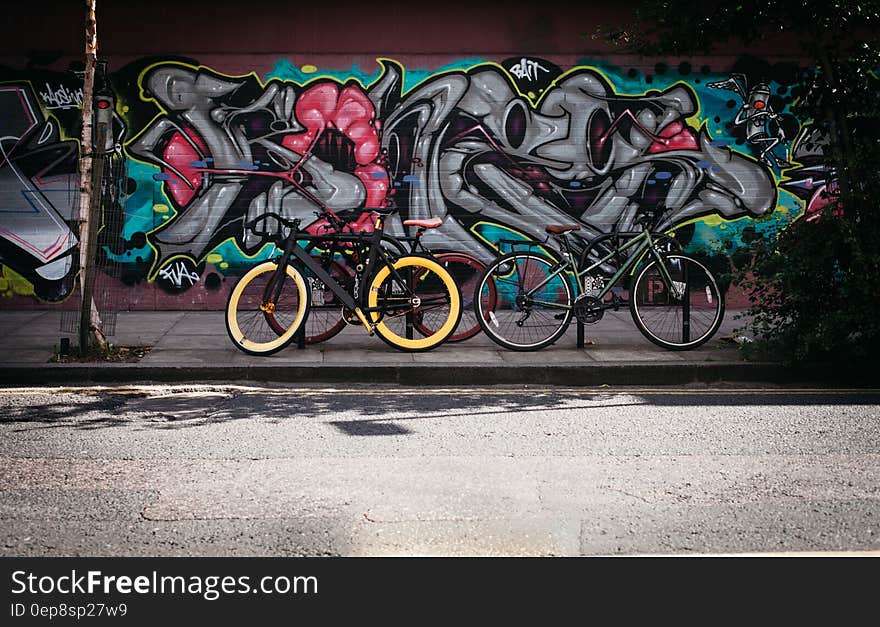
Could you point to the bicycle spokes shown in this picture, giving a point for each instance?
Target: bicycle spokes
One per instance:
(532, 304)
(418, 298)
(678, 305)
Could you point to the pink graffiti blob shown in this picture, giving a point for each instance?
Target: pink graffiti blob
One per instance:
(320, 108)
(323, 107)
(181, 154)
(676, 136)
(824, 196)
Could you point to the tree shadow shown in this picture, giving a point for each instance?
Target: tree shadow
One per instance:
(373, 411)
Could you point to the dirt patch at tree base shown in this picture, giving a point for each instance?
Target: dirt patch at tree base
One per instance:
(110, 354)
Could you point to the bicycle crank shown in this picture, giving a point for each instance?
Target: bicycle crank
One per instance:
(588, 309)
(357, 317)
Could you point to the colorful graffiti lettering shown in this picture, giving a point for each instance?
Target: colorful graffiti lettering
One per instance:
(504, 147)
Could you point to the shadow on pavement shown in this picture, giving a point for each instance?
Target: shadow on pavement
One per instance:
(373, 412)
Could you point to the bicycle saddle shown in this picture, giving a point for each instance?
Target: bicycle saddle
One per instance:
(430, 223)
(557, 229)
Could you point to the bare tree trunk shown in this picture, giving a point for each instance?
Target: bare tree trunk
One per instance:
(90, 322)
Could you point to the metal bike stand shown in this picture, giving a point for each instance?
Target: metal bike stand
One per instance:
(300, 335)
(580, 334)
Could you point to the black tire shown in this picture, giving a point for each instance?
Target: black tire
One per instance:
(676, 323)
(466, 271)
(507, 316)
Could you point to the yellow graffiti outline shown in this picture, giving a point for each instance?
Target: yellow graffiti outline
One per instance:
(552, 254)
(195, 262)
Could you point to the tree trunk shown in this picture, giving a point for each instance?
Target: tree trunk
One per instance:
(90, 333)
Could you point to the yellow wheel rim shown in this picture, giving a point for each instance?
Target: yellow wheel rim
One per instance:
(454, 304)
(232, 309)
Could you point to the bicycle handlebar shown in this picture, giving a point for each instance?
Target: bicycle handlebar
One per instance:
(291, 224)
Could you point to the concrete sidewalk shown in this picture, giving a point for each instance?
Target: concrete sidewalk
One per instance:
(194, 346)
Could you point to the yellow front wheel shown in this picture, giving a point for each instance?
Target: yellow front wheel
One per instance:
(257, 322)
(423, 296)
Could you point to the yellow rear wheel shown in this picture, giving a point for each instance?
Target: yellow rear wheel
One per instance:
(426, 298)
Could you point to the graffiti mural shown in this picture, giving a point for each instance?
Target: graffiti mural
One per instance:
(232, 149)
(584, 152)
(39, 184)
(495, 149)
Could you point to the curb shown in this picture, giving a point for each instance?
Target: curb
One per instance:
(574, 375)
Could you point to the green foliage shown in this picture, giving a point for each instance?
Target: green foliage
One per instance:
(813, 292)
(813, 288)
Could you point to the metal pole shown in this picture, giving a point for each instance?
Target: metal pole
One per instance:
(409, 315)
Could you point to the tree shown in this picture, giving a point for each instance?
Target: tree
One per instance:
(814, 288)
(90, 331)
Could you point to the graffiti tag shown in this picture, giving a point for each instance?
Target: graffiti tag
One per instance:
(177, 274)
(62, 97)
(527, 69)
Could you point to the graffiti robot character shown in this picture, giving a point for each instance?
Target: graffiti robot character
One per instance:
(763, 126)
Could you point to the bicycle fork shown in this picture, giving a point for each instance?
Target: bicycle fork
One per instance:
(676, 288)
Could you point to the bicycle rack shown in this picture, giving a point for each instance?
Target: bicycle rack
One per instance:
(300, 335)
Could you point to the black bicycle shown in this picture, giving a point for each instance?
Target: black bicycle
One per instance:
(674, 299)
(391, 295)
(341, 258)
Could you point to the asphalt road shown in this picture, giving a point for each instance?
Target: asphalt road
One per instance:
(250, 470)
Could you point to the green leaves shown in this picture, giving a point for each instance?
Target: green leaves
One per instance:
(815, 288)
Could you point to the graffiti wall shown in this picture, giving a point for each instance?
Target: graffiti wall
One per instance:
(497, 148)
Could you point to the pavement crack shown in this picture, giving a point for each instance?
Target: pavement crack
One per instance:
(629, 494)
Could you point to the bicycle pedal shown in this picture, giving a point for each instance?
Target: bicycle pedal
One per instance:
(369, 326)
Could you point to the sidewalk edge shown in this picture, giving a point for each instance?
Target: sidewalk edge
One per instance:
(621, 373)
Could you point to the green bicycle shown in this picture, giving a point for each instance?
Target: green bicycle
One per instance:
(674, 299)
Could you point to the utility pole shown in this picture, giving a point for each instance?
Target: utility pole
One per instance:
(90, 178)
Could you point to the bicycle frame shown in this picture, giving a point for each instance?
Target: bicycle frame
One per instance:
(355, 302)
(640, 241)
